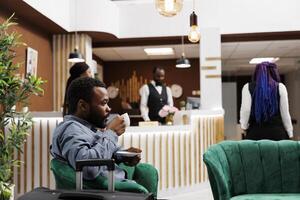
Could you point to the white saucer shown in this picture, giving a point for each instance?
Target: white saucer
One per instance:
(127, 153)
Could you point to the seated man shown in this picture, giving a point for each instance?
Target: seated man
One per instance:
(79, 137)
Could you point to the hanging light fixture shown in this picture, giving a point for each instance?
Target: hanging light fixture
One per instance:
(182, 62)
(75, 56)
(194, 35)
(168, 8)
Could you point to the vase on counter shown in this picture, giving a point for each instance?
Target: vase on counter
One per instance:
(169, 119)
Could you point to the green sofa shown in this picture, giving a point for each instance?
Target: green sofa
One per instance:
(254, 170)
(144, 175)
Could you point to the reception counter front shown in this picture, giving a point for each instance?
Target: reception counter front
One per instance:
(176, 151)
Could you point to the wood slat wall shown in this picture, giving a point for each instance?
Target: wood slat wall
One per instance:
(129, 89)
(62, 46)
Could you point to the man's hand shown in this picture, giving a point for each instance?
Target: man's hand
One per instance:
(132, 161)
(133, 149)
(117, 125)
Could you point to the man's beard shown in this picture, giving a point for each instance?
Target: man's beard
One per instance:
(158, 83)
(97, 121)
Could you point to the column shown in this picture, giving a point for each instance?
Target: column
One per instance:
(210, 69)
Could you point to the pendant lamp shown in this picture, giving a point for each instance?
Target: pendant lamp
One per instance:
(75, 56)
(168, 8)
(194, 35)
(182, 62)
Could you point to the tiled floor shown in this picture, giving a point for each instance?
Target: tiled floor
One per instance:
(199, 192)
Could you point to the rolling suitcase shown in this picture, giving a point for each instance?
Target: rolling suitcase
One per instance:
(47, 194)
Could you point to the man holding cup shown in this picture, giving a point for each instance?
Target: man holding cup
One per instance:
(79, 137)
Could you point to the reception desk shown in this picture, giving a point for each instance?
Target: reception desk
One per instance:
(176, 151)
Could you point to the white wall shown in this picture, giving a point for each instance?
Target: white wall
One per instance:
(292, 80)
(229, 97)
(142, 20)
(56, 10)
(97, 15)
(128, 19)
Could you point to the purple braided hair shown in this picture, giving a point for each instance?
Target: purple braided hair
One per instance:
(265, 96)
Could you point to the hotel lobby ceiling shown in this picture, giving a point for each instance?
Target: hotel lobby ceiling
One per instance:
(235, 55)
(237, 49)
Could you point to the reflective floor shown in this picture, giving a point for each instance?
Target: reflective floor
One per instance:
(201, 191)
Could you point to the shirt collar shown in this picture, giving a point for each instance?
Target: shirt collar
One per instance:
(82, 121)
(153, 83)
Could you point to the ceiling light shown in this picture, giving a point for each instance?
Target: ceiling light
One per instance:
(75, 57)
(194, 35)
(260, 60)
(183, 62)
(168, 8)
(159, 51)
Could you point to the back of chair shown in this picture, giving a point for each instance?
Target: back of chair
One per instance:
(248, 167)
(64, 176)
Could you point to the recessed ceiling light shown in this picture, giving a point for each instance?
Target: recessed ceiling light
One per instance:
(260, 60)
(159, 51)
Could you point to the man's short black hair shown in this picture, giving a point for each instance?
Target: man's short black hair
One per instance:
(157, 68)
(81, 88)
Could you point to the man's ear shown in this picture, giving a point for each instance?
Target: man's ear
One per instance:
(83, 106)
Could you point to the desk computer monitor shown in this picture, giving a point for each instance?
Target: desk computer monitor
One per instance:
(192, 103)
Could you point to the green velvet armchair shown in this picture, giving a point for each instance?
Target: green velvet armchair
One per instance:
(254, 170)
(145, 176)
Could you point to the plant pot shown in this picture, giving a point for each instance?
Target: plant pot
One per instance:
(7, 193)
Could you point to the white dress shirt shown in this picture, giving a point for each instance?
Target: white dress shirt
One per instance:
(144, 92)
(284, 108)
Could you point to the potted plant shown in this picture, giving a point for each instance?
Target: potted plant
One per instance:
(15, 121)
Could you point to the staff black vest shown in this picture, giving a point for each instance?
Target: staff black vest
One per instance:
(272, 129)
(156, 101)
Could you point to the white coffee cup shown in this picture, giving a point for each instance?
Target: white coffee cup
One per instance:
(126, 119)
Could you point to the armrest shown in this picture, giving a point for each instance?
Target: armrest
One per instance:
(219, 180)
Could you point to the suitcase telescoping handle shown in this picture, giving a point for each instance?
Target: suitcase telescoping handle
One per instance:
(109, 163)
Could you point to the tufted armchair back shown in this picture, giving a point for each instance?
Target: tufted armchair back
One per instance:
(250, 167)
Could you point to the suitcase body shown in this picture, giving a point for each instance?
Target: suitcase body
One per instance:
(47, 194)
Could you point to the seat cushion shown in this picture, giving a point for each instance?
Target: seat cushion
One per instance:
(283, 196)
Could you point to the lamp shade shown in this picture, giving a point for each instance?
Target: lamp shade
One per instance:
(75, 57)
(168, 8)
(183, 62)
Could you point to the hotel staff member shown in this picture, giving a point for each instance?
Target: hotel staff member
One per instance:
(154, 96)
